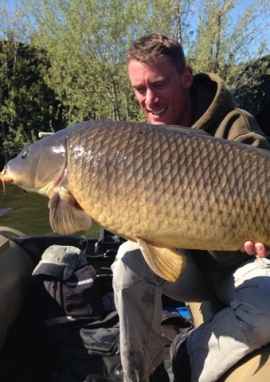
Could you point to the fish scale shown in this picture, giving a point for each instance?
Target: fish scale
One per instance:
(157, 194)
(165, 186)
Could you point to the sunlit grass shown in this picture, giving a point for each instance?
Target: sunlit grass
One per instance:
(30, 214)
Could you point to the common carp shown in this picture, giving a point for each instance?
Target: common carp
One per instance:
(165, 187)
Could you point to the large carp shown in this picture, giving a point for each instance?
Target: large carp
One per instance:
(164, 187)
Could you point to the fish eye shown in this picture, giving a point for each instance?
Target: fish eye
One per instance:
(24, 154)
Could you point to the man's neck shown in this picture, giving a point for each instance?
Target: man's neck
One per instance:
(187, 118)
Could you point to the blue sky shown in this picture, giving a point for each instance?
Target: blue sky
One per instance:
(10, 4)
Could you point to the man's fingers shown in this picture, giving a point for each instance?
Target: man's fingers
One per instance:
(261, 250)
(254, 249)
(249, 248)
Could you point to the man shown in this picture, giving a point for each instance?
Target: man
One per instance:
(168, 93)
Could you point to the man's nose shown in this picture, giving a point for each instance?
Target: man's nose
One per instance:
(151, 97)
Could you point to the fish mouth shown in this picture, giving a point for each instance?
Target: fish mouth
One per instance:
(5, 179)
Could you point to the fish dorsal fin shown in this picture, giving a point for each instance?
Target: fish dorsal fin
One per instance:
(66, 216)
(166, 263)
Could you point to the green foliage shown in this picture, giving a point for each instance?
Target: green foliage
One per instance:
(254, 92)
(69, 63)
(230, 32)
(87, 42)
(27, 104)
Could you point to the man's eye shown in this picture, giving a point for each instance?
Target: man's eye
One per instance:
(160, 85)
(140, 90)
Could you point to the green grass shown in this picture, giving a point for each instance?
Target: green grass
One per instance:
(30, 214)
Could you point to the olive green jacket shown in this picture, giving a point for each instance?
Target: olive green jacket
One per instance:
(216, 113)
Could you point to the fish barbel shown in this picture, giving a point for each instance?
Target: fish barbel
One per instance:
(165, 187)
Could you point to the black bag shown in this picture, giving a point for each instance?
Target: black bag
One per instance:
(77, 297)
(67, 286)
(58, 337)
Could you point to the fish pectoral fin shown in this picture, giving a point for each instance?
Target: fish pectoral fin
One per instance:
(66, 216)
(166, 263)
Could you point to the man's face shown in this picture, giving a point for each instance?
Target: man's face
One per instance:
(162, 92)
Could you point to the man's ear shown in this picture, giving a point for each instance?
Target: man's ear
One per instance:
(187, 77)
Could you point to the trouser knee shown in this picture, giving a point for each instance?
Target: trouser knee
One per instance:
(129, 266)
(255, 326)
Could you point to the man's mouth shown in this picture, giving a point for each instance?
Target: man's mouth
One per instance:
(157, 112)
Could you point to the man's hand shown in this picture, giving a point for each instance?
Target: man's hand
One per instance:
(254, 249)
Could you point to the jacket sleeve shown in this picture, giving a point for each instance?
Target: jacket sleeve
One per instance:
(240, 126)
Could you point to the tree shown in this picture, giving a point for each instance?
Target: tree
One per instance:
(84, 45)
(254, 94)
(87, 42)
(230, 34)
(27, 105)
(10, 29)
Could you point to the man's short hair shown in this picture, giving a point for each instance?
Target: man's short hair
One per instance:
(151, 47)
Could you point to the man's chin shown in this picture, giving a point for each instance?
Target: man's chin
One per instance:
(157, 120)
(157, 123)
